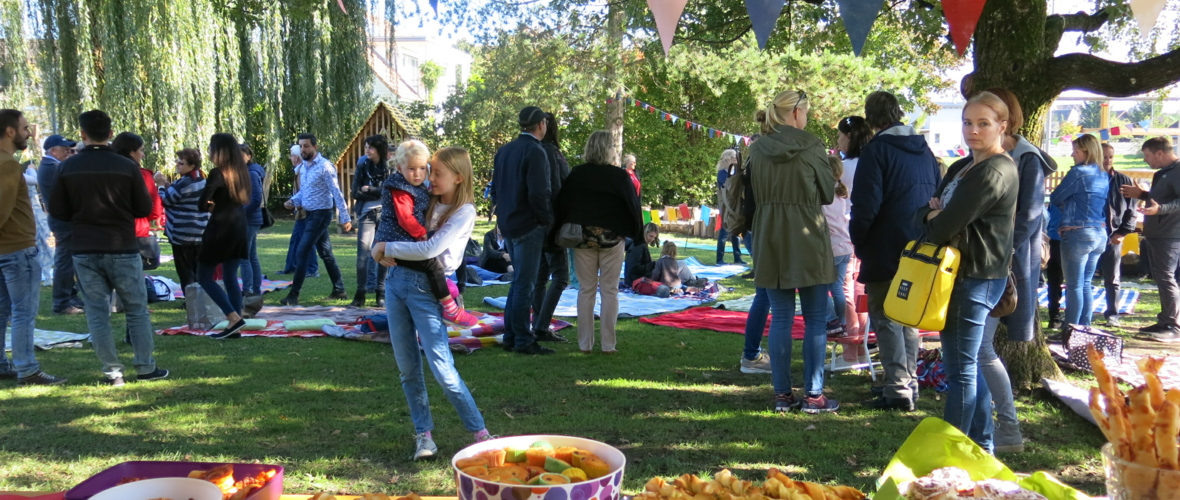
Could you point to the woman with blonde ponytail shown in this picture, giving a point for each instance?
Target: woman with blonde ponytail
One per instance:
(792, 181)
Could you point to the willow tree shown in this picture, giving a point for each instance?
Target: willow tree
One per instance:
(177, 71)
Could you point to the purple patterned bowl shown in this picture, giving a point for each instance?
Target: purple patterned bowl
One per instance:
(603, 488)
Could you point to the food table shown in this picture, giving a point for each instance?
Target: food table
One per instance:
(53, 496)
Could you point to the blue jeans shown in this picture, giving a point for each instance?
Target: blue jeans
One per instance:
(836, 289)
(293, 249)
(65, 290)
(555, 264)
(968, 400)
(737, 249)
(756, 323)
(98, 274)
(230, 299)
(526, 263)
(20, 295)
(815, 336)
(366, 267)
(415, 314)
(251, 269)
(1080, 249)
(315, 239)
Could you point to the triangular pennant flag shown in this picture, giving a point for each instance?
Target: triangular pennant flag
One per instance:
(763, 16)
(961, 17)
(1055, 141)
(345, 11)
(1145, 123)
(859, 16)
(1116, 131)
(1104, 134)
(1146, 12)
(735, 140)
(674, 119)
(433, 5)
(667, 16)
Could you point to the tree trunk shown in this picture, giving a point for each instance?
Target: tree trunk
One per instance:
(614, 62)
(1027, 362)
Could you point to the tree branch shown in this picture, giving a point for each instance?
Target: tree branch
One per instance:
(731, 40)
(1115, 79)
(1084, 22)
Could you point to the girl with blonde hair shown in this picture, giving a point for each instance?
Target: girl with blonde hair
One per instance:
(1081, 197)
(836, 214)
(416, 327)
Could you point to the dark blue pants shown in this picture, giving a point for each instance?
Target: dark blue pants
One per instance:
(314, 240)
(293, 247)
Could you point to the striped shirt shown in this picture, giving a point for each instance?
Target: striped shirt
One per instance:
(185, 223)
(318, 188)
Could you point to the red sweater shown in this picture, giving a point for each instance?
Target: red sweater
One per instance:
(142, 226)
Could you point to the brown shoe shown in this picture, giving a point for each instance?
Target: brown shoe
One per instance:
(40, 378)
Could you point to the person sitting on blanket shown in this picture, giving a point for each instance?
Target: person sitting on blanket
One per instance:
(410, 199)
(638, 260)
(495, 256)
(674, 273)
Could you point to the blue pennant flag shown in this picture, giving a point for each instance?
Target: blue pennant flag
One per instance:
(859, 16)
(434, 5)
(1144, 123)
(764, 15)
(1104, 134)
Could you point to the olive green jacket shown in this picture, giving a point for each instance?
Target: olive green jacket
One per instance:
(792, 181)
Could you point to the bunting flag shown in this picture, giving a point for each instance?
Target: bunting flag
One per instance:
(1116, 131)
(1104, 134)
(961, 17)
(667, 15)
(433, 5)
(859, 16)
(345, 11)
(764, 15)
(1145, 124)
(1146, 12)
(689, 125)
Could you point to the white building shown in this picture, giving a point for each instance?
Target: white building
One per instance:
(400, 78)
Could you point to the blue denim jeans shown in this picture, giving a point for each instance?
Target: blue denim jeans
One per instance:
(1080, 249)
(815, 304)
(415, 314)
(724, 235)
(65, 290)
(20, 295)
(293, 249)
(230, 299)
(315, 239)
(98, 274)
(555, 264)
(968, 401)
(250, 269)
(526, 263)
(836, 290)
(756, 323)
(369, 274)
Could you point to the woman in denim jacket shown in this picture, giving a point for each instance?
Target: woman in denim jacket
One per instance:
(1081, 197)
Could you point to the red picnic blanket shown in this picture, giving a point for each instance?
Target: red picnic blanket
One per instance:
(722, 320)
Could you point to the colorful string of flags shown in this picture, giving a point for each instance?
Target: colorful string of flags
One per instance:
(1104, 134)
(710, 132)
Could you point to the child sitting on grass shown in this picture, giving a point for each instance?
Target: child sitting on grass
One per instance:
(411, 199)
(674, 273)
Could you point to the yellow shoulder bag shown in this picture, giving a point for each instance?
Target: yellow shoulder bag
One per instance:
(921, 289)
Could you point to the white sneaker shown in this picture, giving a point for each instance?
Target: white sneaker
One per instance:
(424, 447)
(761, 364)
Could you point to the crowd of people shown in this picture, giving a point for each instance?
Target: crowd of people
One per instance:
(823, 228)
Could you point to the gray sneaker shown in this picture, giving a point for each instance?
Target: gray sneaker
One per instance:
(761, 364)
(1168, 335)
(1113, 321)
(424, 447)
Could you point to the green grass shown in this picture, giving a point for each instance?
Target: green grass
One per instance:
(333, 413)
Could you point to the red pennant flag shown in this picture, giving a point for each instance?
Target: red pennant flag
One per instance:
(962, 16)
(1116, 131)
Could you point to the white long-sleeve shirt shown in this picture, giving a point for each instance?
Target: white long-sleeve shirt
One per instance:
(448, 243)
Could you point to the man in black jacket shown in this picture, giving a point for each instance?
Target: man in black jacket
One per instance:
(521, 192)
(1161, 228)
(1120, 220)
(101, 193)
(65, 290)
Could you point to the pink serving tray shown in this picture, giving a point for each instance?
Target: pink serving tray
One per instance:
(151, 470)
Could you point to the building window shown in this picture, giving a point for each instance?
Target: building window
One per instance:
(937, 138)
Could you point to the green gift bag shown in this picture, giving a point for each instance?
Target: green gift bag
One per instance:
(935, 444)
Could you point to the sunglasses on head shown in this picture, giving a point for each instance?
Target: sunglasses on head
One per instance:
(802, 96)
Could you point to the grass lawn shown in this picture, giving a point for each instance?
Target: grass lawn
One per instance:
(333, 413)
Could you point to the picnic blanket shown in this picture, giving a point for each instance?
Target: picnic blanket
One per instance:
(488, 277)
(48, 339)
(1127, 299)
(630, 304)
(1127, 371)
(713, 273)
(267, 286)
(723, 320)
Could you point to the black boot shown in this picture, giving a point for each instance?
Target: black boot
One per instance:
(358, 300)
(292, 299)
(380, 298)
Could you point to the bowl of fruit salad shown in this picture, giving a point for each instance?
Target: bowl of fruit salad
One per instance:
(539, 467)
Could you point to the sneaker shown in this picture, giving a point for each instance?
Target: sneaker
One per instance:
(836, 329)
(114, 382)
(292, 299)
(1055, 324)
(739, 262)
(380, 300)
(1113, 321)
(338, 295)
(884, 403)
(748, 276)
(285, 272)
(156, 375)
(40, 378)
(720, 263)
(535, 348)
(69, 309)
(785, 402)
(548, 335)
(424, 447)
(313, 275)
(487, 437)
(760, 364)
(819, 404)
(1156, 328)
(879, 390)
(1169, 335)
(233, 331)
(461, 318)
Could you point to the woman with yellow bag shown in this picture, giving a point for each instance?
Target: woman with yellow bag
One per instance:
(974, 210)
